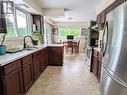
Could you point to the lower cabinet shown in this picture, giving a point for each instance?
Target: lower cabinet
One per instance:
(12, 79)
(27, 70)
(44, 59)
(36, 64)
(55, 54)
(17, 77)
(97, 63)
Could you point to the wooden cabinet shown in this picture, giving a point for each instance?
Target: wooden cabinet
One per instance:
(38, 21)
(17, 77)
(99, 64)
(44, 59)
(96, 63)
(118, 2)
(102, 16)
(27, 70)
(12, 79)
(55, 56)
(2, 19)
(36, 64)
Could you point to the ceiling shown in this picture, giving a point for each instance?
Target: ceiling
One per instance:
(75, 10)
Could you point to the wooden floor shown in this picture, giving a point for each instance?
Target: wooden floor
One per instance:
(71, 79)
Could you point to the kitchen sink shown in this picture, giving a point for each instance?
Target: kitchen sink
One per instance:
(31, 48)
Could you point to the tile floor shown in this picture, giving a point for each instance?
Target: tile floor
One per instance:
(73, 78)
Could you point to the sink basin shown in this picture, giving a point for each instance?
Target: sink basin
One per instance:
(31, 48)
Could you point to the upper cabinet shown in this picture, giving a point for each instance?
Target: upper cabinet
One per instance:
(2, 19)
(101, 18)
(118, 2)
(38, 21)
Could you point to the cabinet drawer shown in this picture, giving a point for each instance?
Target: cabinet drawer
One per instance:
(100, 56)
(12, 66)
(38, 53)
(27, 59)
(95, 53)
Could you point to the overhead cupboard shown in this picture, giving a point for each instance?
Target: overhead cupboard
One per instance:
(102, 16)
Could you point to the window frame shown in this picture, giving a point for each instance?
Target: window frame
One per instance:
(69, 28)
(28, 25)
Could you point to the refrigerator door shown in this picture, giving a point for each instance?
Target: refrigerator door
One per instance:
(115, 58)
(114, 72)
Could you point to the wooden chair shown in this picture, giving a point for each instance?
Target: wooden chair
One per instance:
(76, 47)
(69, 45)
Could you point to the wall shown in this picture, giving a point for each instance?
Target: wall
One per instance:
(72, 24)
(35, 6)
(104, 4)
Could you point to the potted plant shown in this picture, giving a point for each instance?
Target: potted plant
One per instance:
(2, 47)
(37, 36)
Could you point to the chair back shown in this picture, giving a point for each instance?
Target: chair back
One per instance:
(78, 43)
(69, 43)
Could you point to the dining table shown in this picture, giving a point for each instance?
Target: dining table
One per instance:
(70, 44)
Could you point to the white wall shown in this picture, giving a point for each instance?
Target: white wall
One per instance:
(71, 24)
(103, 5)
(35, 6)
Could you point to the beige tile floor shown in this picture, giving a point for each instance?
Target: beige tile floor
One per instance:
(71, 79)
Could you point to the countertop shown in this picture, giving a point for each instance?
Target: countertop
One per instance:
(97, 49)
(8, 58)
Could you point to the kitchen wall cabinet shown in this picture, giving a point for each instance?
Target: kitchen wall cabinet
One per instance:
(12, 79)
(118, 2)
(55, 56)
(96, 63)
(27, 70)
(2, 19)
(39, 22)
(102, 16)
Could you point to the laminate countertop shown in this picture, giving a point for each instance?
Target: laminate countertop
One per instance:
(10, 57)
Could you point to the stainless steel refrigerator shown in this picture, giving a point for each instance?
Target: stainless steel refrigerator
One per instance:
(114, 47)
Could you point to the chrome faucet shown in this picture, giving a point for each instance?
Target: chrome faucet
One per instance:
(24, 43)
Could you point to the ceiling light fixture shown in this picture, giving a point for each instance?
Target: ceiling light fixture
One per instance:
(70, 18)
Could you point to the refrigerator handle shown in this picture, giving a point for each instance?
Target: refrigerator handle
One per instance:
(104, 45)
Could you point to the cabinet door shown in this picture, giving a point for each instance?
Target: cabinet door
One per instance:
(37, 67)
(27, 75)
(13, 83)
(44, 60)
(99, 69)
(118, 2)
(95, 65)
(2, 19)
(55, 55)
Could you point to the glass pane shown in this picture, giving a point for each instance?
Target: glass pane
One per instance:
(10, 25)
(21, 23)
(69, 31)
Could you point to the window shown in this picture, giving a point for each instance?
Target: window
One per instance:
(16, 24)
(10, 25)
(63, 32)
(21, 23)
